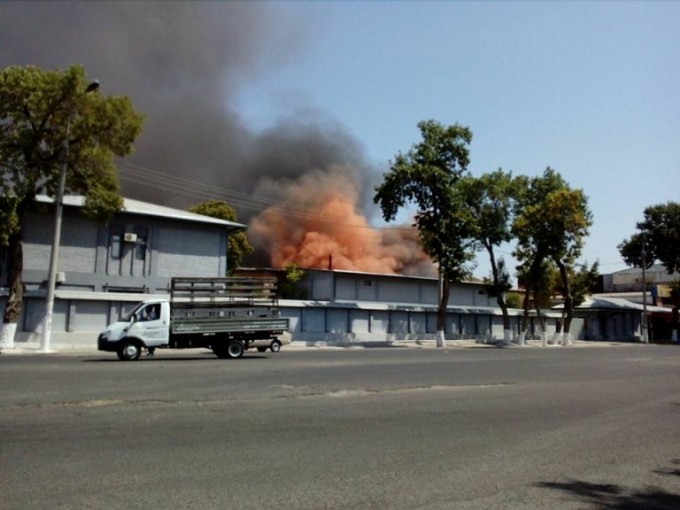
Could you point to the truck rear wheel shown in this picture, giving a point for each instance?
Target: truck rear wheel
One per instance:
(275, 346)
(129, 351)
(234, 349)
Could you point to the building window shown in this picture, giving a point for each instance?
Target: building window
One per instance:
(116, 246)
(140, 248)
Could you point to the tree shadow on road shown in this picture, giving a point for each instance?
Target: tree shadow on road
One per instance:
(616, 497)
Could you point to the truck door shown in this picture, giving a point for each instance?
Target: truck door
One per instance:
(151, 325)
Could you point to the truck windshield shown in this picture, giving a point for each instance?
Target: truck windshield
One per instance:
(128, 316)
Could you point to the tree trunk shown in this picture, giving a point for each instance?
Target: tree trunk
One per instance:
(500, 297)
(558, 328)
(544, 330)
(525, 317)
(444, 290)
(568, 301)
(531, 287)
(16, 291)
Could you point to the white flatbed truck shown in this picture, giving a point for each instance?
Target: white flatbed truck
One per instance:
(228, 315)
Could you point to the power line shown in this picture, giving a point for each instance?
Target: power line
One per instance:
(201, 191)
(196, 190)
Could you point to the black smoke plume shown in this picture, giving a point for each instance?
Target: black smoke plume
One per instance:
(182, 63)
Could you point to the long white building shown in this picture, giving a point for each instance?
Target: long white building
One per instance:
(104, 271)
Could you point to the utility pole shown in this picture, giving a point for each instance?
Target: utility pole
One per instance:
(54, 254)
(645, 333)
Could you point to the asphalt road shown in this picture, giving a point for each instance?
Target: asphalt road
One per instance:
(392, 428)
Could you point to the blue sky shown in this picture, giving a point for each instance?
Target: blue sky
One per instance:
(591, 89)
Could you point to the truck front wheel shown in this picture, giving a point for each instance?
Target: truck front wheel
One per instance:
(129, 351)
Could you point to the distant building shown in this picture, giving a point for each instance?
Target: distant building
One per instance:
(607, 317)
(628, 285)
(630, 280)
(335, 306)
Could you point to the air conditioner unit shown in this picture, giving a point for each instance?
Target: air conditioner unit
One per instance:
(130, 238)
(60, 277)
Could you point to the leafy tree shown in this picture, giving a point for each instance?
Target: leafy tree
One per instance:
(238, 246)
(39, 111)
(489, 204)
(513, 300)
(288, 286)
(538, 276)
(552, 223)
(658, 240)
(584, 281)
(426, 176)
(660, 230)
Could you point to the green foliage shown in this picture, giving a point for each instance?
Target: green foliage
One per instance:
(425, 177)
(49, 122)
(215, 209)
(661, 231)
(289, 288)
(489, 203)
(38, 110)
(9, 217)
(541, 279)
(584, 281)
(499, 283)
(513, 300)
(238, 246)
(552, 220)
(631, 251)
(675, 293)
(550, 225)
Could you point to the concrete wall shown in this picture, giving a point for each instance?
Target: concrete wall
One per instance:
(78, 250)
(202, 256)
(611, 326)
(630, 280)
(346, 286)
(323, 322)
(78, 321)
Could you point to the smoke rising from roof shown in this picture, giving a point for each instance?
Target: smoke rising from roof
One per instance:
(181, 64)
(328, 231)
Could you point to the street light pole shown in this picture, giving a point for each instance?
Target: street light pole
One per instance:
(645, 334)
(441, 334)
(54, 254)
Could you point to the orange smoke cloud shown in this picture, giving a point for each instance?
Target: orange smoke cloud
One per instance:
(318, 221)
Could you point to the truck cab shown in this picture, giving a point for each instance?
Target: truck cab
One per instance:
(147, 326)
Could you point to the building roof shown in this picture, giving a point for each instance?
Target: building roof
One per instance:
(616, 304)
(413, 307)
(131, 206)
(636, 270)
(363, 274)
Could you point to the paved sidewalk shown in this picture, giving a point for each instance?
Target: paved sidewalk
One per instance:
(419, 344)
